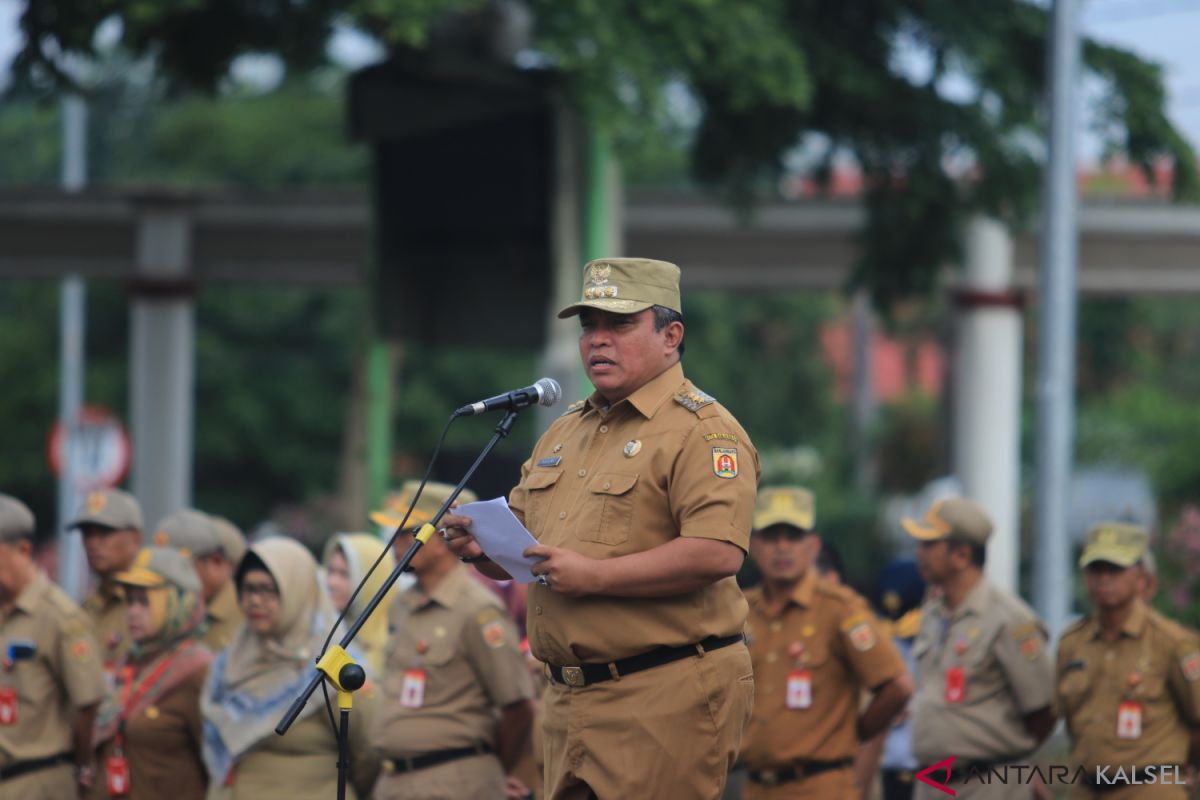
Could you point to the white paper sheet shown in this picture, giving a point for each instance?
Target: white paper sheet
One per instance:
(502, 536)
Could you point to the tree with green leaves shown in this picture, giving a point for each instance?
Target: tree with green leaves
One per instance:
(939, 102)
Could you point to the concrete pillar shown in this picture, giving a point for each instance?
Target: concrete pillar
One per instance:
(162, 358)
(987, 392)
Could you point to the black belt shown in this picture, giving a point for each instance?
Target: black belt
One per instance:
(33, 765)
(585, 674)
(398, 765)
(798, 771)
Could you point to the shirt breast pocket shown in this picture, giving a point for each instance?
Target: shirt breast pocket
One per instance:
(539, 487)
(608, 517)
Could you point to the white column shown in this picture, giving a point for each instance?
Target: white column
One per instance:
(987, 391)
(162, 360)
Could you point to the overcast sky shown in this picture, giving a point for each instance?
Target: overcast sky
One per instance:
(1166, 31)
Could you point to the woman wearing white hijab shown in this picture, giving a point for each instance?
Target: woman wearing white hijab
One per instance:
(347, 558)
(266, 666)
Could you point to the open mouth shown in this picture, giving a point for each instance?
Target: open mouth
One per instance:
(600, 361)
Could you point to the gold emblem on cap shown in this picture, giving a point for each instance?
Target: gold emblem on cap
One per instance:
(152, 712)
(599, 273)
(161, 538)
(96, 501)
(632, 448)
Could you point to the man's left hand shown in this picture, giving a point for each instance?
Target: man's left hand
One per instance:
(565, 571)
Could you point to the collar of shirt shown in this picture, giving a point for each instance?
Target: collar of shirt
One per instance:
(801, 595)
(975, 603)
(29, 598)
(649, 397)
(445, 594)
(1135, 623)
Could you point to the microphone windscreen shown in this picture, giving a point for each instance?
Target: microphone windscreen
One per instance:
(550, 391)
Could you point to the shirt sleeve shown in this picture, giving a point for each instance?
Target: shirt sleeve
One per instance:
(1021, 651)
(714, 482)
(1184, 679)
(79, 663)
(492, 645)
(869, 652)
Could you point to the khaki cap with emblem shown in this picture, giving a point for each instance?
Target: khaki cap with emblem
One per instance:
(785, 505)
(396, 504)
(1120, 543)
(233, 542)
(956, 518)
(110, 508)
(627, 286)
(16, 520)
(159, 566)
(189, 531)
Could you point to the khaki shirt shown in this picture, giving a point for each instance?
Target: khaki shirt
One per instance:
(1001, 646)
(668, 461)
(463, 641)
(105, 607)
(63, 675)
(829, 632)
(1154, 662)
(224, 615)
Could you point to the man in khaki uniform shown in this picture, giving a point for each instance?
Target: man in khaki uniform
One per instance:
(456, 709)
(816, 646)
(1128, 679)
(984, 678)
(641, 499)
(195, 535)
(111, 524)
(51, 682)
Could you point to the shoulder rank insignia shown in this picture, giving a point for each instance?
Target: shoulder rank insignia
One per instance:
(578, 404)
(693, 399)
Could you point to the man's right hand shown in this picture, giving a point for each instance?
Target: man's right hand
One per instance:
(458, 536)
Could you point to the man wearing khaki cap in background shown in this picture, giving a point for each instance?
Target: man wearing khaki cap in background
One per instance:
(110, 522)
(1128, 679)
(816, 646)
(984, 678)
(196, 535)
(51, 682)
(641, 498)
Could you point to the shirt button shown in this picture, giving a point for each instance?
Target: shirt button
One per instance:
(582, 472)
(776, 626)
(562, 515)
(607, 485)
(771, 658)
(604, 429)
(1110, 655)
(768, 689)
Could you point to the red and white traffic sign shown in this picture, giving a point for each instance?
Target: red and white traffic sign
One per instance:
(100, 451)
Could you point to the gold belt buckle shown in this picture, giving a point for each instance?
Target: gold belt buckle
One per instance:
(573, 676)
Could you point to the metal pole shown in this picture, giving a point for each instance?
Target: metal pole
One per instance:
(72, 332)
(1056, 328)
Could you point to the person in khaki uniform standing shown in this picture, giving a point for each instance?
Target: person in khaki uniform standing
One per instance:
(456, 707)
(51, 682)
(196, 535)
(816, 646)
(985, 684)
(1128, 679)
(111, 525)
(148, 729)
(641, 499)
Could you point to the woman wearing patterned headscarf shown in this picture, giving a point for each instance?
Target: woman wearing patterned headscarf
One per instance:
(348, 556)
(148, 728)
(266, 666)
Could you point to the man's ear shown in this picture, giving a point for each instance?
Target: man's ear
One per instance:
(673, 334)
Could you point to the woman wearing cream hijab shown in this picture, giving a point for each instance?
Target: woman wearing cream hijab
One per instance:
(348, 556)
(266, 666)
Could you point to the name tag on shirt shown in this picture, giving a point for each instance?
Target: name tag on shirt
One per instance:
(799, 689)
(956, 685)
(1129, 720)
(8, 706)
(552, 461)
(412, 693)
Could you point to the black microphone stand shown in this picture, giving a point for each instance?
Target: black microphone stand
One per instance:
(335, 664)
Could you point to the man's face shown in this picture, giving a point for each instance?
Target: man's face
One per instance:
(14, 561)
(622, 352)
(784, 553)
(934, 561)
(110, 550)
(214, 572)
(426, 557)
(1110, 586)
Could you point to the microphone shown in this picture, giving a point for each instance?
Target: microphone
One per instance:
(545, 392)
